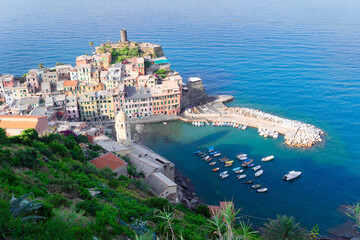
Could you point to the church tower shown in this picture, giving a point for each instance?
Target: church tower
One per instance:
(122, 128)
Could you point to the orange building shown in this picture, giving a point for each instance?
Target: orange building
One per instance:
(15, 124)
(166, 98)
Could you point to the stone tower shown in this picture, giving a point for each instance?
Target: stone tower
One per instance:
(123, 35)
(122, 127)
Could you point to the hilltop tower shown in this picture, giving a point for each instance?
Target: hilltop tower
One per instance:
(122, 127)
(123, 35)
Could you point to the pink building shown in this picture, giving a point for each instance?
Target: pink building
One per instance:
(32, 82)
(72, 107)
(166, 98)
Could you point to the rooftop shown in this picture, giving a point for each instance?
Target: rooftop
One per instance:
(108, 160)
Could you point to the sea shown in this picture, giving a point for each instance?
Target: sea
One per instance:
(296, 59)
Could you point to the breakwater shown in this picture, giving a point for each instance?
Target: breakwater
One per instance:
(296, 133)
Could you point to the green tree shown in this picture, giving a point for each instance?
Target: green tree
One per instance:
(41, 66)
(203, 210)
(284, 228)
(4, 140)
(92, 46)
(25, 157)
(59, 63)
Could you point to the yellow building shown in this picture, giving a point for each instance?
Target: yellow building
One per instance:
(72, 88)
(96, 105)
(20, 91)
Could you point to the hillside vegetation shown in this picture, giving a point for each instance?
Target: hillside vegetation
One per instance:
(45, 193)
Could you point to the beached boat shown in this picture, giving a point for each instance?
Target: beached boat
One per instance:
(212, 163)
(241, 176)
(217, 154)
(256, 168)
(224, 176)
(291, 175)
(216, 169)
(246, 162)
(268, 158)
(256, 186)
(249, 182)
(239, 171)
(236, 169)
(262, 190)
(259, 173)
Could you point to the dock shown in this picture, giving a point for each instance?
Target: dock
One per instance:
(296, 133)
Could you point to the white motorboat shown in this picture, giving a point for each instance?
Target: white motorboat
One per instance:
(276, 134)
(291, 175)
(217, 154)
(224, 176)
(268, 158)
(259, 173)
(241, 176)
(244, 127)
(256, 168)
(239, 171)
(242, 158)
(223, 173)
(262, 190)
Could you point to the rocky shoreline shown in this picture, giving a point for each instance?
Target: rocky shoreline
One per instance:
(186, 191)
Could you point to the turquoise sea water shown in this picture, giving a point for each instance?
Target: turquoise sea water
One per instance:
(297, 59)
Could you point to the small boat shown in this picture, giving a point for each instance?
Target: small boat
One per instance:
(222, 160)
(206, 157)
(217, 154)
(222, 173)
(224, 176)
(197, 152)
(236, 169)
(249, 182)
(209, 159)
(241, 155)
(241, 176)
(242, 158)
(203, 155)
(212, 163)
(266, 159)
(256, 186)
(211, 150)
(262, 190)
(164, 123)
(291, 175)
(251, 165)
(227, 162)
(214, 152)
(228, 165)
(276, 134)
(216, 169)
(246, 162)
(243, 127)
(256, 168)
(239, 171)
(259, 173)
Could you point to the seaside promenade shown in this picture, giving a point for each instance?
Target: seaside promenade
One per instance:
(297, 134)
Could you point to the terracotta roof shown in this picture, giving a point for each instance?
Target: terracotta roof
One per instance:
(108, 160)
(68, 83)
(19, 116)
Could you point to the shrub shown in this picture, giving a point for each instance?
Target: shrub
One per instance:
(4, 140)
(58, 148)
(84, 193)
(89, 206)
(114, 183)
(159, 203)
(203, 210)
(82, 139)
(58, 200)
(26, 157)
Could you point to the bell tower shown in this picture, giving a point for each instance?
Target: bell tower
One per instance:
(122, 127)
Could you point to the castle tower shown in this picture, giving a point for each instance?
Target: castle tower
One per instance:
(123, 34)
(122, 127)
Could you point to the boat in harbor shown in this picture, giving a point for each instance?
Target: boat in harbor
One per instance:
(164, 123)
(236, 169)
(291, 175)
(241, 176)
(243, 127)
(246, 162)
(222, 173)
(214, 152)
(211, 150)
(276, 134)
(212, 163)
(239, 171)
(224, 176)
(206, 157)
(259, 173)
(242, 158)
(262, 190)
(217, 154)
(256, 186)
(197, 152)
(251, 165)
(241, 155)
(268, 158)
(228, 164)
(256, 168)
(216, 169)
(208, 160)
(249, 182)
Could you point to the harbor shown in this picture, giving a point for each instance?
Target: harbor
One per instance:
(296, 133)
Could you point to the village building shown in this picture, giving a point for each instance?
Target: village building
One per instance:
(166, 98)
(110, 160)
(6, 82)
(72, 107)
(83, 59)
(138, 102)
(49, 76)
(162, 186)
(63, 71)
(15, 124)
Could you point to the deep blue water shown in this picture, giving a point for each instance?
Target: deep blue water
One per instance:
(298, 59)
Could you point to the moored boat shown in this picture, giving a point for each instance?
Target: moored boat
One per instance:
(217, 154)
(262, 190)
(228, 164)
(241, 176)
(246, 162)
(249, 182)
(206, 157)
(251, 165)
(268, 158)
(236, 169)
(216, 169)
(256, 186)
(239, 171)
(222, 173)
(291, 175)
(256, 168)
(212, 163)
(224, 176)
(259, 173)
